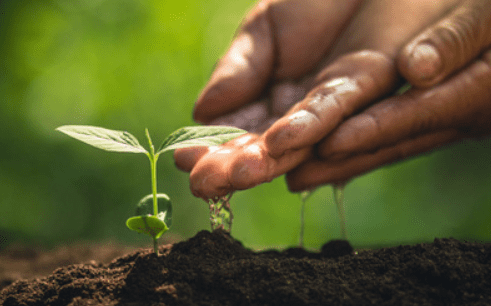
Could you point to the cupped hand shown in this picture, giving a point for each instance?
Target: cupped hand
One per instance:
(296, 71)
(449, 66)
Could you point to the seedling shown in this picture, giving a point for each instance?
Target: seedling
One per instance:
(154, 211)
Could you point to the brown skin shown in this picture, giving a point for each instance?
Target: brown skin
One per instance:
(318, 96)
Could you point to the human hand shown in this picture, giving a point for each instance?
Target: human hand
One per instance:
(450, 100)
(335, 65)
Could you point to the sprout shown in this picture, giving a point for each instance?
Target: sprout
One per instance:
(154, 211)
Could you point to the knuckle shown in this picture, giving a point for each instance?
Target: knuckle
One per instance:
(462, 36)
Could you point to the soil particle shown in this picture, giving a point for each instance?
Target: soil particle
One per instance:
(215, 269)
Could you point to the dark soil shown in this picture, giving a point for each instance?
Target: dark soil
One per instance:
(20, 261)
(214, 269)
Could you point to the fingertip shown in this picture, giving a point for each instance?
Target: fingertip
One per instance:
(447, 46)
(421, 64)
(243, 72)
(186, 158)
(302, 177)
(215, 100)
(209, 178)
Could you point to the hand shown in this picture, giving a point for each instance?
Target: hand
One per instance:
(329, 59)
(449, 66)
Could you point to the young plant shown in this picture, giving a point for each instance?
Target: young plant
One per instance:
(149, 218)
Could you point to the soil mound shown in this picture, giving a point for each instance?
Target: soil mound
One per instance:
(215, 269)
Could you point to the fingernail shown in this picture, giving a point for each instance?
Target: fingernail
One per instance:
(425, 62)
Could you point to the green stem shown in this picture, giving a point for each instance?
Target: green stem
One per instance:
(156, 246)
(153, 169)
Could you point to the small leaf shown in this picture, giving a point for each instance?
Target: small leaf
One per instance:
(105, 139)
(195, 136)
(145, 207)
(403, 89)
(148, 224)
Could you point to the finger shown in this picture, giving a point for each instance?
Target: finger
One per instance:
(305, 30)
(354, 81)
(241, 75)
(447, 46)
(241, 166)
(257, 116)
(351, 83)
(185, 159)
(319, 172)
(275, 41)
(250, 117)
(460, 102)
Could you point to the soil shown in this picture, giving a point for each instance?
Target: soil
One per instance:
(215, 269)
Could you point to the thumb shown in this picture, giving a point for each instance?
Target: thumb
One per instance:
(243, 72)
(447, 46)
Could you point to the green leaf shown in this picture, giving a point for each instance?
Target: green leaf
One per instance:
(195, 136)
(145, 223)
(164, 204)
(148, 224)
(105, 139)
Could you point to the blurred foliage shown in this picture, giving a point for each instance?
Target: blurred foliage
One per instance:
(129, 64)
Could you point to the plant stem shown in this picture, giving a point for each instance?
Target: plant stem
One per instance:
(156, 246)
(153, 169)
(153, 166)
(338, 191)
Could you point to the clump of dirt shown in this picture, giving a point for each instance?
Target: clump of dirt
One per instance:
(215, 269)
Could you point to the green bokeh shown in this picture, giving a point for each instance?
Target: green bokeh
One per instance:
(128, 64)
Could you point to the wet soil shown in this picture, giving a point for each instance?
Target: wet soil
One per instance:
(215, 269)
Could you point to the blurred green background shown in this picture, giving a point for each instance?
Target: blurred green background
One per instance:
(129, 64)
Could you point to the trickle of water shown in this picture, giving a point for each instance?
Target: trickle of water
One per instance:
(303, 197)
(221, 213)
(338, 191)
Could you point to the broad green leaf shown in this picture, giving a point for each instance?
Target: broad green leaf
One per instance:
(195, 136)
(105, 139)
